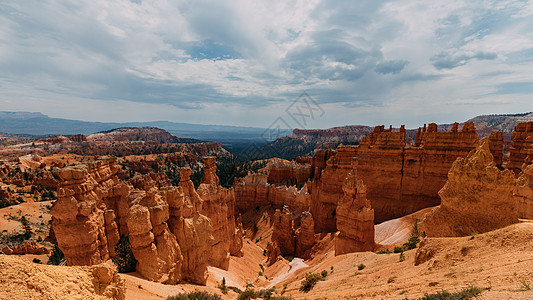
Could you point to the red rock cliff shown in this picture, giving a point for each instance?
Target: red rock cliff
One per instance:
(521, 151)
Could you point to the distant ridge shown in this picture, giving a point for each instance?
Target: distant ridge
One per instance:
(38, 124)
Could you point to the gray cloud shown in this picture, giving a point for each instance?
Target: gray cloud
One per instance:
(447, 60)
(391, 66)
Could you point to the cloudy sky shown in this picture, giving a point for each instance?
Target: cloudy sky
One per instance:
(245, 62)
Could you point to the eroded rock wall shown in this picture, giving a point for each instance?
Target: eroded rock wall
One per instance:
(326, 188)
(521, 150)
(477, 197)
(254, 191)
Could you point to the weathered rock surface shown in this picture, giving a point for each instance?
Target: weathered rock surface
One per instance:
(326, 188)
(170, 238)
(524, 193)
(478, 197)
(284, 172)
(27, 247)
(521, 151)
(154, 246)
(273, 253)
(22, 279)
(355, 218)
(78, 215)
(254, 191)
(219, 207)
(210, 168)
(305, 235)
(283, 231)
(193, 230)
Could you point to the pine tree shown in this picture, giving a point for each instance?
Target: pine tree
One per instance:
(124, 258)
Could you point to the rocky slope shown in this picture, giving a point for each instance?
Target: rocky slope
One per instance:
(21, 279)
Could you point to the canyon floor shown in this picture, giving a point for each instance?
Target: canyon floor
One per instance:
(500, 262)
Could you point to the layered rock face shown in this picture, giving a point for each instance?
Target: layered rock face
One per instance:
(78, 215)
(355, 218)
(283, 231)
(326, 188)
(478, 197)
(170, 237)
(402, 179)
(288, 173)
(219, 207)
(210, 169)
(305, 235)
(521, 150)
(153, 244)
(254, 191)
(524, 193)
(381, 167)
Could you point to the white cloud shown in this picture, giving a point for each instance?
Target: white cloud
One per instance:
(237, 62)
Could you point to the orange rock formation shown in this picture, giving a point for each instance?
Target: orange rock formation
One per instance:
(521, 151)
(170, 237)
(478, 197)
(355, 217)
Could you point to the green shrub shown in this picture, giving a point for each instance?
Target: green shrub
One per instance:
(384, 251)
(360, 267)
(223, 288)
(414, 238)
(399, 249)
(196, 295)
(57, 256)
(466, 293)
(124, 258)
(248, 294)
(37, 261)
(402, 257)
(5, 203)
(310, 280)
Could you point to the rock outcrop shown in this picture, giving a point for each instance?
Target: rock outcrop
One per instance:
(193, 230)
(326, 188)
(478, 197)
(283, 231)
(22, 279)
(219, 207)
(355, 218)
(27, 247)
(305, 235)
(401, 179)
(78, 215)
(524, 193)
(169, 236)
(288, 173)
(521, 151)
(154, 246)
(254, 191)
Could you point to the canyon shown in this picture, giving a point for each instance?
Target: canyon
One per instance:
(323, 210)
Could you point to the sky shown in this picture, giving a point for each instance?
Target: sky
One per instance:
(308, 64)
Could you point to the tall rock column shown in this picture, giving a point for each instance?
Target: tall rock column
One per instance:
(283, 232)
(355, 217)
(193, 230)
(79, 218)
(154, 246)
(219, 207)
